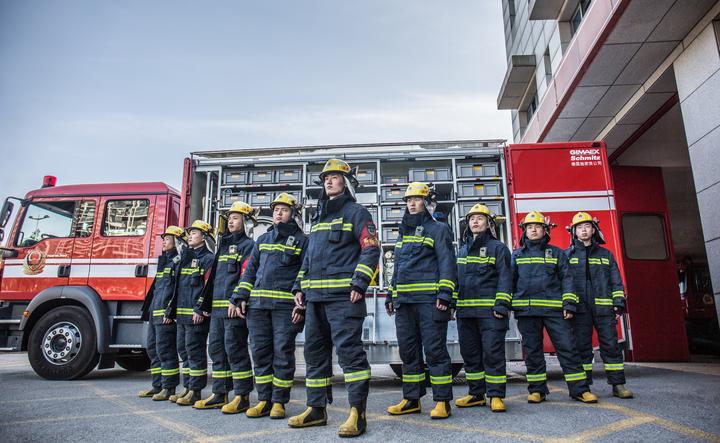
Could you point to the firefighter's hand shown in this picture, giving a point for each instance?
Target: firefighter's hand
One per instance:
(441, 306)
(497, 315)
(618, 312)
(231, 311)
(241, 310)
(567, 315)
(298, 315)
(355, 296)
(197, 318)
(168, 321)
(390, 309)
(299, 302)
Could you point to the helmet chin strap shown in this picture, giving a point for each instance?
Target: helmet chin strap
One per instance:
(349, 186)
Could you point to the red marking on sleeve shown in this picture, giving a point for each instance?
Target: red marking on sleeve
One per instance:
(244, 265)
(368, 236)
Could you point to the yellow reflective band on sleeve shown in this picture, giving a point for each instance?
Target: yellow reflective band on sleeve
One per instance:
(446, 284)
(189, 271)
(328, 226)
(604, 301)
(475, 375)
(587, 366)
(164, 273)
(220, 304)
(245, 285)
(357, 376)
(280, 383)
(241, 375)
(185, 311)
(413, 378)
(226, 257)
(574, 261)
(476, 259)
(407, 239)
(197, 372)
(364, 270)
(538, 303)
(301, 274)
(536, 260)
(614, 366)
(418, 287)
(326, 284)
(262, 379)
(158, 313)
(157, 370)
(570, 296)
(318, 382)
(279, 247)
(577, 376)
(496, 379)
(169, 372)
(503, 296)
(441, 379)
(536, 377)
(455, 295)
(271, 294)
(618, 294)
(598, 261)
(475, 303)
(186, 371)
(221, 374)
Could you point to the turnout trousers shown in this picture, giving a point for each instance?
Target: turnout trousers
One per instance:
(482, 346)
(610, 350)
(195, 347)
(231, 365)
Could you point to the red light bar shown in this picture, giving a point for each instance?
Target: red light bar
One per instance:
(49, 181)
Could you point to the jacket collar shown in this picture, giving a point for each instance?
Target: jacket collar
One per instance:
(327, 206)
(412, 221)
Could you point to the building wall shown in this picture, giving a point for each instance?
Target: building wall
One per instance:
(697, 73)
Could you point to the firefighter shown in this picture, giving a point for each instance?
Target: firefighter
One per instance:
(161, 347)
(422, 286)
(340, 262)
(264, 296)
(192, 323)
(228, 346)
(602, 300)
(483, 303)
(543, 297)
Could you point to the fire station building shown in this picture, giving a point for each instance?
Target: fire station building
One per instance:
(644, 77)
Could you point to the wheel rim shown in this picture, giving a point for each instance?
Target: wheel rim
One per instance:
(62, 343)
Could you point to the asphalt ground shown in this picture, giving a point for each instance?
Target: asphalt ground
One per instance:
(672, 403)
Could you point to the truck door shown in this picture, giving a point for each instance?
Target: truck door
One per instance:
(84, 227)
(43, 239)
(654, 306)
(560, 179)
(119, 263)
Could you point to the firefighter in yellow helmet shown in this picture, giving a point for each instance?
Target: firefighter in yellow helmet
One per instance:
(544, 298)
(192, 324)
(340, 262)
(422, 286)
(228, 345)
(272, 317)
(483, 302)
(602, 300)
(157, 310)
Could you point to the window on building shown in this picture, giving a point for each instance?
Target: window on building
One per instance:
(511, 13)
(579, 15)
(716, 27)
(125, 218)
(644, 237)
(45, 220)
(548, 66)
(532, 107)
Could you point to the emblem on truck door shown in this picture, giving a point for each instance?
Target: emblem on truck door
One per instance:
(34, 262)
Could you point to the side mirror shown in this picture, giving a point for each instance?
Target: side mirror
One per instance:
(2, 234)
(8, 253)
(7, 209)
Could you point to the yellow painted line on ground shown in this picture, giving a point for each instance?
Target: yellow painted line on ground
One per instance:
(247, 435)
(48, 399)
(603, 430)
(63, 418)
(177, 427)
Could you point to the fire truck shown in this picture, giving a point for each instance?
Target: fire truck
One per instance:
(77, 260)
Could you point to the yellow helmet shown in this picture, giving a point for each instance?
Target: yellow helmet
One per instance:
(534, 217)
(201, 226)
(417, 189)
(479, 208)
(241, 208)
(285, 199)
(174, 230)
(335, 165)
(582, 217)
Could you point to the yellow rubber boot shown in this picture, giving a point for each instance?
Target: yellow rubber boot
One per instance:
(620, 391)
(587, 397)
(164, 395)
(311, 417)
(147, 393)
(277, 411)
(470, 401)
(441, 410)
(355, 424)
(174, 398)
(261, 409)
(405, 407)
(215, 401)
(189, 399)
(536, 397)
(239, 404)
(497, 404)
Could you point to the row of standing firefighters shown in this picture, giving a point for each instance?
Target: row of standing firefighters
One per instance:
(270, 289)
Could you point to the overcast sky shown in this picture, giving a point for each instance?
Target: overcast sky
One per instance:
(114, 91)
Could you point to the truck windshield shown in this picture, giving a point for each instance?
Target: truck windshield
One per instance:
(44, 220)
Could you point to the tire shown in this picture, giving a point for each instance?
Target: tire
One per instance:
(63, 345)
(139, 362)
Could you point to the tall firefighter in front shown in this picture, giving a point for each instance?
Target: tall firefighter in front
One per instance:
(543, 298)
(602, 298)
(422, 286)
(273, 319)
(228, 346)
(341, 261)
(483, 305)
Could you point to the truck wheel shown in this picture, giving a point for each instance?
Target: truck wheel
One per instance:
(136, 362)
(62, 345)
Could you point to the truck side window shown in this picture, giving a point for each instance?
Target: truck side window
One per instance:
(43, 220)
(125, 218)
(84, 218)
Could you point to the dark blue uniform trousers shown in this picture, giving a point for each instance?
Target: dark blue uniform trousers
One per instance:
(231, 365)
(195, 346)
(610, 351)
(482, 346)
(162, 350)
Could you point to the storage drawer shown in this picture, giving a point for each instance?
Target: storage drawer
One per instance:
(289, 175)
(236, 177)
(230, 197)
(481, 169)
(392, 213)
(260, 177)
(313, 178)
(261, 198)
(394, 179)
(479, 189)
(495, 207)
(390, 234)
(373, 213)
(430, 174)
(366, 176)
(366, 197)
(392, 194)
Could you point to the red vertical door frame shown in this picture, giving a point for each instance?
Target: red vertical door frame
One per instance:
(655, 310)
(186, 191)
(82, 250)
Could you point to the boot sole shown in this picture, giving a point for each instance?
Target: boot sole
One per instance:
(498, 410)
(218, 406)
(309, 424)
(624, 398)
(586, 402)
(351, 434)
(410, 411)
(277, 417)
(160, 399)
(259, 416)
(441, 418)
(471, 405)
